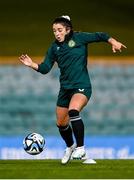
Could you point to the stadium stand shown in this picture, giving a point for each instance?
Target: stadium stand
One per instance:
(28, 100)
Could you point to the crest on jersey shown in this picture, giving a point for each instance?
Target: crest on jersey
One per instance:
(58, 48)
(71, 43)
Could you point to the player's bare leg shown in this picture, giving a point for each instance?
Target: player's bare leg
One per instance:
(66, 132)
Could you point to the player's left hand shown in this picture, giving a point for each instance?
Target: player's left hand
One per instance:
(116, 45)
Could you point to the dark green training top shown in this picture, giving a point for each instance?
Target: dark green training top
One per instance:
(71, 57)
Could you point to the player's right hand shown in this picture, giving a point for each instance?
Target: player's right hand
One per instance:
(26, 60)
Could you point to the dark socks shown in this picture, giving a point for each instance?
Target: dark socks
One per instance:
(66, 133)
(77, 126)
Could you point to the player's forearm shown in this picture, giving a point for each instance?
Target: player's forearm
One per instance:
(34, 66)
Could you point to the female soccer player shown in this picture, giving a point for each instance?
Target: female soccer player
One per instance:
(69, 50)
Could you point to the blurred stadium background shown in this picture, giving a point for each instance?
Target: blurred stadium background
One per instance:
(27, 98)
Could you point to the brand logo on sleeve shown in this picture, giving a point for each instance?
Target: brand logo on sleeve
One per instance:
(71, 43)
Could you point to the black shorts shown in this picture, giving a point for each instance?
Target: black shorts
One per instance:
(65, 95)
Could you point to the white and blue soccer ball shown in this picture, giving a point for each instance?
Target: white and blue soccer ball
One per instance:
(33, 143)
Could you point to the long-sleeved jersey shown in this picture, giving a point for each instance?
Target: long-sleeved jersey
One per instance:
(71, 57)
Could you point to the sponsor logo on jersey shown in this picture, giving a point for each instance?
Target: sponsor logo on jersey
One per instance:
(71, 43)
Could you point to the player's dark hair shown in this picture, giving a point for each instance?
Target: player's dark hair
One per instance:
(64, 21)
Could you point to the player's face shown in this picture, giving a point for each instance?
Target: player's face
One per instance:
(60, 32)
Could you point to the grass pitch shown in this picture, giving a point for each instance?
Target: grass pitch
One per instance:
(53, 169)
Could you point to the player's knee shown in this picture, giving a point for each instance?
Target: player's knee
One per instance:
(62, 122)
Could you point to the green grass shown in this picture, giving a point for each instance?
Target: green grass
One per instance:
(25, 26)
(53, 169)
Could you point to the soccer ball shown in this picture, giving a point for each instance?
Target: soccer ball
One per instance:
(33, 143)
